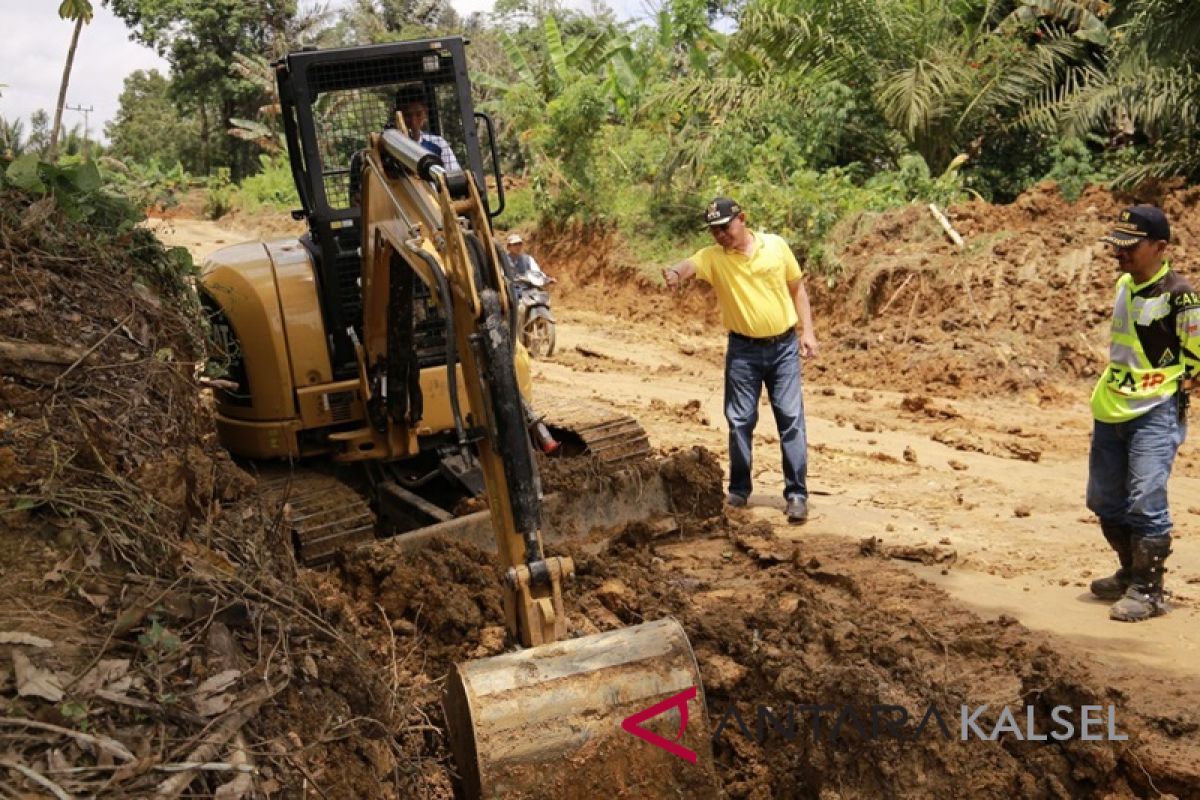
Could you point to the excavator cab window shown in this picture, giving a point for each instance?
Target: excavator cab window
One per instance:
(333, 100)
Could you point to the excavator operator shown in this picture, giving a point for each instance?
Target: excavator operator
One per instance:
(413, 105)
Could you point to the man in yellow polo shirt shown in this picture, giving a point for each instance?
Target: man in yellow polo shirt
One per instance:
(760, 291)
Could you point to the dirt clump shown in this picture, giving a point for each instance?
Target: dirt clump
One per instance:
(693, 479)
(446, 594)
(826, 636)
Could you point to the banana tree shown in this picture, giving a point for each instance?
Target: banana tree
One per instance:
(554, 107)
(521, 104)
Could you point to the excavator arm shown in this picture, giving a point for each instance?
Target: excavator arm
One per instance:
(344, 337)
(421, 221)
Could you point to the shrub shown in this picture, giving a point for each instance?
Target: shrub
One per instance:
(219, 199)
(273, 187)
(1073, 168)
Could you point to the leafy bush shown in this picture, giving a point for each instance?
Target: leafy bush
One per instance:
(1073, 168)
(148, 186)
(85, 196)
(518, 207)
(219, 199)
(564, 179)
(76, 188)
(912, 181)
(273, 187)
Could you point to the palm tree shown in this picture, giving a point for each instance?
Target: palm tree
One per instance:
(936, 72)
(81, 12)
(12, 138)
(1147, 91)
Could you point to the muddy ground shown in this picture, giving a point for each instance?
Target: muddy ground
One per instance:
(945, 563)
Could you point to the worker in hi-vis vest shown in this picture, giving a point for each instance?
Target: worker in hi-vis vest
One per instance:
(1140, 410)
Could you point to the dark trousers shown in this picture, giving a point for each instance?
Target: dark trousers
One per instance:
(748, 366)
(1129, 466)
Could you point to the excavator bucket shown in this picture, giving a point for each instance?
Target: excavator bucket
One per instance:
(617, 714)
(622, 710)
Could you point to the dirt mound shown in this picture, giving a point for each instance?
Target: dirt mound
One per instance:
(152, 611)
(1021, 309)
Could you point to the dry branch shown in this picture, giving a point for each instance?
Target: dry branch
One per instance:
(38, 778)
(946, 226)
(110, 746)
(36, 351)
(221, 733)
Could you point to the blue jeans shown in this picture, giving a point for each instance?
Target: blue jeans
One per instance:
(748, 365)
(1129, 467)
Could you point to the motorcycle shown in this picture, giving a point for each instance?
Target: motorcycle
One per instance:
(534, 320)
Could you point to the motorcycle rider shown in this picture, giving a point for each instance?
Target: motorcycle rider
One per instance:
(522, 262)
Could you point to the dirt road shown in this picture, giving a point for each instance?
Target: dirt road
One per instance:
(950, 475)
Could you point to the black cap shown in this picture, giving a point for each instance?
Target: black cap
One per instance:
(1137, 223)
(720, 211)
(411, 93)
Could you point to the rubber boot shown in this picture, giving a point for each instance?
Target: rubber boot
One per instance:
(1120, 539)
(1144, 597)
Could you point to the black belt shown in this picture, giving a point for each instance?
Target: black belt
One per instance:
(765, 340)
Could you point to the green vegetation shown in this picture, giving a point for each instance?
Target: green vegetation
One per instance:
(85, 195)
(810, 112)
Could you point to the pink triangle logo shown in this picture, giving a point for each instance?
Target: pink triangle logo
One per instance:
(632, 724)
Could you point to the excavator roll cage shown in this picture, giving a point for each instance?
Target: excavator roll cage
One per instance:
(332, 101)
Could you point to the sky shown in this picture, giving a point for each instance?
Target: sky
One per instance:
(36, 43)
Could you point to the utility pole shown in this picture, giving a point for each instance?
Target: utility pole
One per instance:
(86, 112)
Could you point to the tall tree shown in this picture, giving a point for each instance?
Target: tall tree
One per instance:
(149, 127)
(80, 11)
(200, 41)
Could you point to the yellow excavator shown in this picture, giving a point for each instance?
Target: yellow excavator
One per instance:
(385, 338)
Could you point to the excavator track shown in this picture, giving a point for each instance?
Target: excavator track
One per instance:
(323, 515)
(613, 438)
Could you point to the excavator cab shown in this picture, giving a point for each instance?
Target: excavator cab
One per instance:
(285, 316)
(332, 101)
(386, 338)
